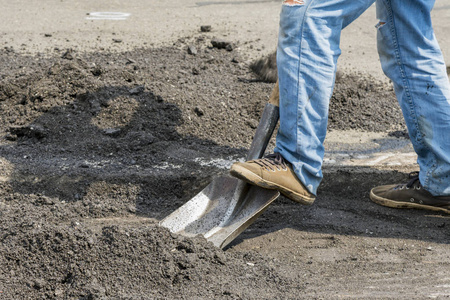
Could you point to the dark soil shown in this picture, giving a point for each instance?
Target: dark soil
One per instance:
(96, 148)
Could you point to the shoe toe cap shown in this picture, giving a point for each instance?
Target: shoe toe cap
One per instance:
(383, 190)
(241, 167)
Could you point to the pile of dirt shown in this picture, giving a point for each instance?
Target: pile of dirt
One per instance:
(208, 96)
(359, 101)
(83, 260)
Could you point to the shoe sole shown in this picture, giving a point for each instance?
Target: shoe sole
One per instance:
(400, 204)
(252, 178)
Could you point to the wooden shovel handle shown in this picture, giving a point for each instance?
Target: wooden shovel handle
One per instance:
(275, 95)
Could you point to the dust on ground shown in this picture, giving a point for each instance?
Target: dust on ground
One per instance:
(96, 148)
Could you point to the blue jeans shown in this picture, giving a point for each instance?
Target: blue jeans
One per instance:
(308, 49)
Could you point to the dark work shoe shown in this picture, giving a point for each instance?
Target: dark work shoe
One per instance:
(409, 195)
(273, 172)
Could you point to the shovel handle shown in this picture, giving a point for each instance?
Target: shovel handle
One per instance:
(275, 95)
(267, 124)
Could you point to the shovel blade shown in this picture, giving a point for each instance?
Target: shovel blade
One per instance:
(227, 206)
(221, 211)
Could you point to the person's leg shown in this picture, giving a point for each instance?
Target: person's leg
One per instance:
(308, 49)
(411, 58)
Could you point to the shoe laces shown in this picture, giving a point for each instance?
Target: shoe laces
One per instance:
(412, 183)
(272, 162)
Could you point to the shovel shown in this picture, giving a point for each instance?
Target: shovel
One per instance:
(227, 206)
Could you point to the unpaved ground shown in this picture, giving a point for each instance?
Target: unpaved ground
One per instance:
(96, 148)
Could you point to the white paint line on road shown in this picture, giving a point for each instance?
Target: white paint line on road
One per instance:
(115, 16)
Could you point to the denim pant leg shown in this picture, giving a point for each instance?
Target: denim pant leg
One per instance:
(308, 49)
(411, 58)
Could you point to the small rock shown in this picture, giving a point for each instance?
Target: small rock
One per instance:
(113, 132)
(221, 44)
(192, 50)
(265, 68)
(220, 258)
(136, 90)
(235, 60)
(195, 71)
(399, 134)
(38, 284)
(74, 224)
(47, 35)
(205, 28)
(252, 123)
(97, 71)
(130, 61)
(117, 40)
(46, 200)
(199, 111)
(9, 49)
(140, 139)
(68, 54)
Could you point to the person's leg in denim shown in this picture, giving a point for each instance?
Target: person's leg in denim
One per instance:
(411, 58)
(308, 49)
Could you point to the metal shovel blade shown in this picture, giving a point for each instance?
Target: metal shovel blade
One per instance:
(227, 206)
(221, 211)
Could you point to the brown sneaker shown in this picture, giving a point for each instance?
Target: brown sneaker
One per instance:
(409, 195)
(273, 172)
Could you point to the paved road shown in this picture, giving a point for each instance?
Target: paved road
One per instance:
(27, 25)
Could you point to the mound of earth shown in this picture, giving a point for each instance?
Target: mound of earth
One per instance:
(128, 259)
(208, 96)
(359, 101)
